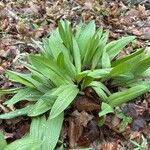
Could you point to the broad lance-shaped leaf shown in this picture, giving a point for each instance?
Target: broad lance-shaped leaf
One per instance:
(25, 79)
(98, 54)
(24, 94)
(139, 53)
(66, 65)
(43, 104)
(46, 47)
(125, 66)
(91, 49)
(66, 33)
(113, 48)
(52, 132)
(50, 69)
(81, 75)
(79, 28)
(16, 113)
(100, 93)
(105, 60)
(9, 91)
(101, 90)
(105, 109)
(18, 77)
(124, 79)
(85, 36)
(24, 144)
(119, 98)
(63, 101)
(86, 81)
(146, 73)
(99, 73)
(62, 32)
(39, 108)
(142, 66)
(3, 142)
(101, 85)
(36, 75)
(38, 127)
(57, 46)
(76, 55)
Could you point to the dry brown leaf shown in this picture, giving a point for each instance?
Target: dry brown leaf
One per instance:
(84, 103)
(108, 146)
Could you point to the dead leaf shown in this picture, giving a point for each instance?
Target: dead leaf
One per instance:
(108, 146)
(84, 103)
(138, 124)
(89, 135)
(77, 123)
(83, 118)
(133, 110)
(145, 33)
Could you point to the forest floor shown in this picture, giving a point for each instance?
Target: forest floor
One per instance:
(23, 20)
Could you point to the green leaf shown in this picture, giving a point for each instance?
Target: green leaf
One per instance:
(119, 98)
(24, 144)
(66, 65)
(81, 75)
(86, 82)
(25, 79)
(142, 66)
(90, 49)
(128, 57)
(66, 33)
(101, 90)
(21, 78)
(9, 91)
(124, 122)
(63, 100)
(24, 94)
(56, 46)
(36, 75)
(105, 60)
(46, 47)
(49, 69)
(59, 90)
(146, 73)
(43, 104)
(125, 66)
(38, 127)
(100, 93)
(3, 142)
(39, 108)
(100, 85)
(52, 132)
(113, 48)
(76, 55)
(99, 73)
(124, 79)
(79, 28)
(98, 54)
(16, 113)
(85, 36)
(105, 109)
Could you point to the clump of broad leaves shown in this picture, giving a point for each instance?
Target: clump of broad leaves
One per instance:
(69, 63)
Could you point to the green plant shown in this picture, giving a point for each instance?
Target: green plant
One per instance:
(142, 146)
(69, 63)
(125, 121)
(38, 136)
